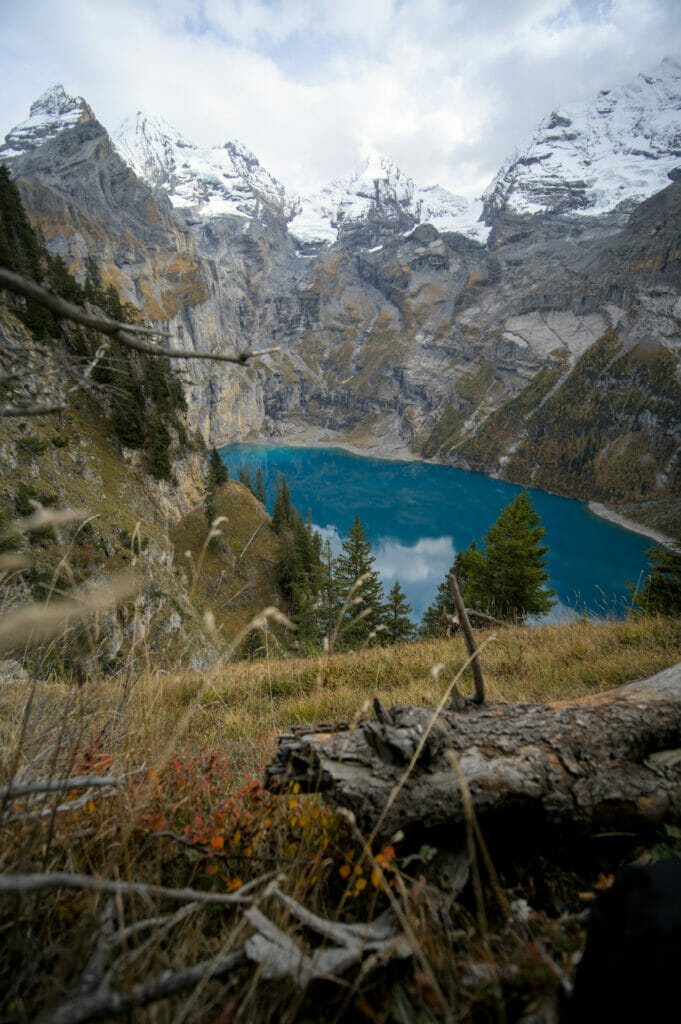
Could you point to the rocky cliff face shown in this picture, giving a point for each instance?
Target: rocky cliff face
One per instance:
(459, 341)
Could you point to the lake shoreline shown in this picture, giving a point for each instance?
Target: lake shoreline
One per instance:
(400, 453)
(612, 516)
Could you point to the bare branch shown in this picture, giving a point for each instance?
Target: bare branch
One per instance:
(120, 332)
(12, 885)
(58, 785)
(253, 536)
(107, 1004)
(234, 596)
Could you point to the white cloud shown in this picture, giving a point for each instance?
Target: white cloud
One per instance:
(444, 88)
(427, 560)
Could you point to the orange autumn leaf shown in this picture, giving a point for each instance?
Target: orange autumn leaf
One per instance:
(344, 871)
(217, 842)
(236, 883)
(212, 869)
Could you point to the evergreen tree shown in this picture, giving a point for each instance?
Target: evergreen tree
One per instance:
(20, 251)
(210, 499)
(281, 513)
(298, 573)
(244, 477)
(158, 454)
(93, 281)
(661, 593)
(217, 467)
(360, 620)
(463, 565)
(509, 577)
(61, 281)
(260, 489)
(431, 623)
(397, 616)
(327, 591)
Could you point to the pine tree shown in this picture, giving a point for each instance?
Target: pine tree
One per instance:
(158, 451)
(361, 620)
(20, 250)
(431, 624)
(508, 578)
(661, 593)
(93, 281)
(217, 467)
(281, 513)
(244, 477)
(210, 499)
(260, 489)
(397, 616)
(327, 591)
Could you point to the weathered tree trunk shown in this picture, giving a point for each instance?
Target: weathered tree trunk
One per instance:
(609, 762)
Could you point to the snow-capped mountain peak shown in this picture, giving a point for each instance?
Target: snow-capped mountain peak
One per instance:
(591, 157)
(219, 181)
(52, 113)
(378, 200)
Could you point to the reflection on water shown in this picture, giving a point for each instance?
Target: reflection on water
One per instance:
(419, 515)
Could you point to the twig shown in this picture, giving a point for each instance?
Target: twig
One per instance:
(14, 885)
(58, 785)
(252, 537)
(234, 596)
(106, 1004)
(220, 579)
(471, 646)
(207, 851)
(120, 332)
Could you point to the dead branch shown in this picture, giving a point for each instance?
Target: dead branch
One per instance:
(610, 761)
(57, 785)
(234, 596)
(106, 1004)
(219, 584)
(17, 885)
(64, 310)
(279, 956)
(469, 639)
(252, 537)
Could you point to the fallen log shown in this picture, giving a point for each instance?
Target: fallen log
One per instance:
(607, 762)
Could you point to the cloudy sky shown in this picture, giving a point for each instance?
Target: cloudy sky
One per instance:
(445, 88)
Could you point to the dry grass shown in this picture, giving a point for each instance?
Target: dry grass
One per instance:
(187, 744)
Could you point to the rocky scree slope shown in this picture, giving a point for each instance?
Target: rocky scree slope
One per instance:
(399, 336)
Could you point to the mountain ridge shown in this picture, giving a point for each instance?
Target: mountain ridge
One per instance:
(395, 336)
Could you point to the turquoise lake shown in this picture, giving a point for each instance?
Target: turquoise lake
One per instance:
(418, 515)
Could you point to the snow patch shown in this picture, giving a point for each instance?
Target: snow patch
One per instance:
(591, 157)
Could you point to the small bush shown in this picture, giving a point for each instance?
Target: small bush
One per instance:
(35, 445)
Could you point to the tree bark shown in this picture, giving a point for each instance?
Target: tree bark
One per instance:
(608, 762)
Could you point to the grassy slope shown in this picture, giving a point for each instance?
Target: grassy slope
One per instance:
(231, 579)
(199, 736)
